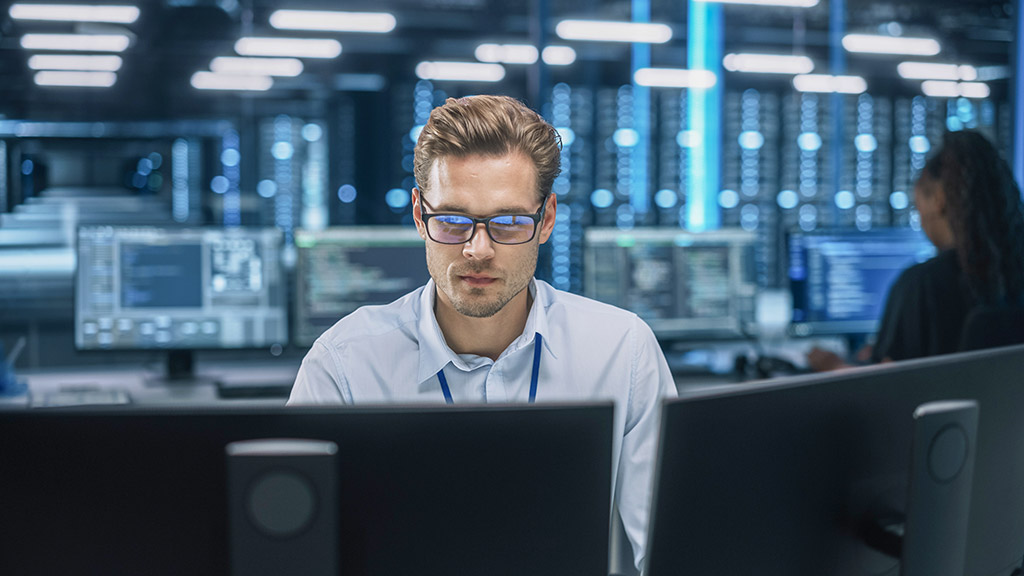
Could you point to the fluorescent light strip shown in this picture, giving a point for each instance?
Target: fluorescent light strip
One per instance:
(76, 42)
(942, 89)
(75, 13)
(211, 81)
(465, 71)
(828, 84)
(83, 79)
(613, 31)
(768, 63)
(675, 78)
(229, 65)
(294, 47)
(373, 22)
(70, 62)
(558, 55)
(876, 44)
(506, 53)
(788, 3)
(932, 71)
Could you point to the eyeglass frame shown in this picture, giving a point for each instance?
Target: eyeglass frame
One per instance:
(537, 217)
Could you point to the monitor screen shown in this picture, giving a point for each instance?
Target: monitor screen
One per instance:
(788, 475)
(683, 284)
(436, 491)
(840, 280)
(140, 287)
(340, 269)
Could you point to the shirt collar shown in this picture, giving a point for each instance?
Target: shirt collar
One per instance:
(435, 353)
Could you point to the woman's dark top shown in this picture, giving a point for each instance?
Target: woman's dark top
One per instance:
(925, 312)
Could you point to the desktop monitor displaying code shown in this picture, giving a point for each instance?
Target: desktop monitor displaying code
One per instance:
(683, 284)
(140, 287)
(340, 269)
(840, 279)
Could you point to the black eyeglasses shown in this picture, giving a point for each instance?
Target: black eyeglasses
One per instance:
(504, 229)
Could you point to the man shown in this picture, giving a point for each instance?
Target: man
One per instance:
(483, 329)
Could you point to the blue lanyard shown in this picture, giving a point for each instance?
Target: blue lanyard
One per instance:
(533, 377)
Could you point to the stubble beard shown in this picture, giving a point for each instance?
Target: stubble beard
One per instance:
(473, 302)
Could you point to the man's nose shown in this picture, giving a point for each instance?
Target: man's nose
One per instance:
(480, 246)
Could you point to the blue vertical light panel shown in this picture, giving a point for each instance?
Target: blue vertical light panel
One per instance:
(704, 117)
(837, 61)
(1018, 97)
(638, 193)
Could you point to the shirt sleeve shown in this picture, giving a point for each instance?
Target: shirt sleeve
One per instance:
(651, 382)
(902, 332)
(320, 380)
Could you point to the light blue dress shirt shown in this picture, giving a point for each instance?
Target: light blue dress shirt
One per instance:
(590, 352)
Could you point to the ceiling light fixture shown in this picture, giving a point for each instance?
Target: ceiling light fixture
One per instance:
(877, 44)
(82, 79)
(558, 55)
(74, 13)
(613, 31)
(943, 89)
(211, 81)
(373, 22)
(506, 53)
(787, 3)
(76, 42)
(675, 78)
(293, 47)
(256, 66)
(70, 62)
(464, 71)
(828, 84)
(768, 63)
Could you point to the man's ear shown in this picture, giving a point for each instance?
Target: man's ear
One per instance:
(548, 223)
(417, 213)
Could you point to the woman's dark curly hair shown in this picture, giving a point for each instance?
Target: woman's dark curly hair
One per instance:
(986, 214)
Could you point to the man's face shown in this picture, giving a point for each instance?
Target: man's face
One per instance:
(480, 277)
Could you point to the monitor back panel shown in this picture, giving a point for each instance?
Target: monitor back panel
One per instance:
(432, 492)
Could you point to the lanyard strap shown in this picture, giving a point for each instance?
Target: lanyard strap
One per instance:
(533, 377)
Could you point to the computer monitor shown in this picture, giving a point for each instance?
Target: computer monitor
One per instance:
(179, 290)
(684, 285)
(431, 491)
(787, 477)
(340, 269)
(840, 279)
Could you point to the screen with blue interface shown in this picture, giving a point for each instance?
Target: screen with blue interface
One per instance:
(340, 269)
(840, 279)
(140, 287)
(683, 284)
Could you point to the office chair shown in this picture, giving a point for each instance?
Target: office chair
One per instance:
(991, 327)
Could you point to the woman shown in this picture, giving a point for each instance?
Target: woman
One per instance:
(971, 210)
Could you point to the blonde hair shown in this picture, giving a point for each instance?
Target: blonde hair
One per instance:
(488, 126)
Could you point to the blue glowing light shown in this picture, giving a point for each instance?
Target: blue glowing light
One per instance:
(229, 157)
(899, 200)
(865, 143)
(219, 184)
(689, 139)
(568, 136)
(397, 198)
(787, 199)
(156, 160)
(954, 124)
(751, 140)
(347, 193)
(282, 150)
(626, 137)
(266, 188)
(312, 132)
(139, 180)
(728, 199)
(845, 200)
(602, 198)
(144, 167)
(666, 198)
(414, 133)
(920, 144)
(809, 141)
(27, 167)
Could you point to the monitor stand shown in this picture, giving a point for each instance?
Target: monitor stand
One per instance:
(181, 372)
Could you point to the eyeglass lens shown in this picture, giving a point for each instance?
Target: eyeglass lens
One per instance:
(454, 229)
